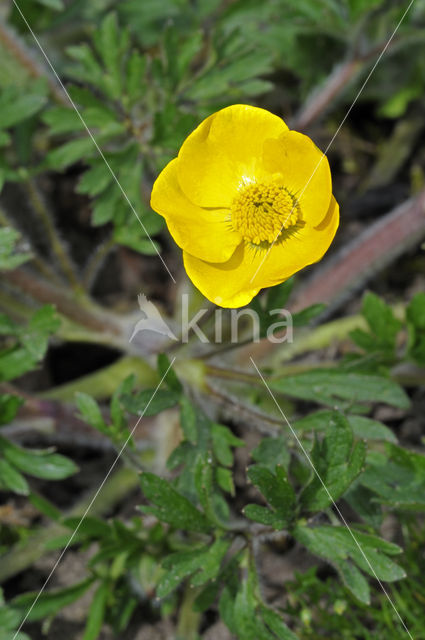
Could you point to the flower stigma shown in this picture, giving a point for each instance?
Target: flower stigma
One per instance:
(261, 212)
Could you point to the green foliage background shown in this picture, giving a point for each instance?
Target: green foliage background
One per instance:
(143, 75)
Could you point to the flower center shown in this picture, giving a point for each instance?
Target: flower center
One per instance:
(260, 212)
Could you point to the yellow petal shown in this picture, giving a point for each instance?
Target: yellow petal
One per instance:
(205, 233)
(304, 172)
(234, 283)
(225, 152)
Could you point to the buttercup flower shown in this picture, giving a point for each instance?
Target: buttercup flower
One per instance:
(249, 201)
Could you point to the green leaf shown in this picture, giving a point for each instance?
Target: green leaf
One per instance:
(9, 405)
(45, 507)
(170, 506)
(223, 440)
(90, 527)
(331, 387)
(202, 564)
(15, 362)
(9, 619)
(265, 516)
(278, 296)
(11, 479)
(188, 420)
(364, 502)
(245, 619)
(415, 315)
(277, 625)
(97, 612)
(136, 240)
(278, 492)
(95, 180)
(271, 452)
(337, 463)
(147, 404)
(49, 602)
(354, 580)
(90, 411)
(40, 464)
(171, 378)
(70, 152)
(225, 480)
(304, 317)
(397, 477)
(44, 322)
(9, 259)
(215, 509)
(381, 320)
(17, 108)
(362, 427)
(179, 566)
(337, 545)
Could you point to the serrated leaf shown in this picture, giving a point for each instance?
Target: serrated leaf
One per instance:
(276, 489)
(170, 506)
(271, 452)
(398, 478)
(223, 440)
(381, 320)
(263, 515)
(339, 544)
(178, 566)
(337, 463)
(149, 403)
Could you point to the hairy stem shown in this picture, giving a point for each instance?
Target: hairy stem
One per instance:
(13, 44)
(93, 318)
(335, 84)
(44, 215)
(96, 262)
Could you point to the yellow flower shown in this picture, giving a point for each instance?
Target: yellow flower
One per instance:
(249, 201)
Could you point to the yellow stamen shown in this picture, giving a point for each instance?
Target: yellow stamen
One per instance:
(260, 212)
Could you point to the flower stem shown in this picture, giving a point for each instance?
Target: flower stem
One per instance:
(96, 262)
(92, 317)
